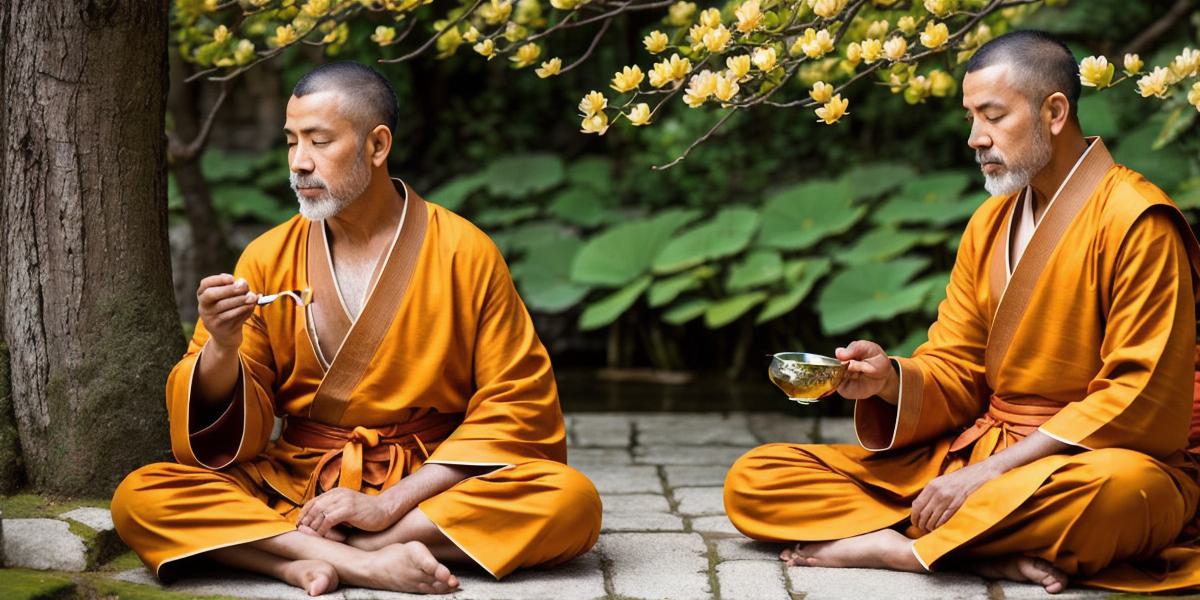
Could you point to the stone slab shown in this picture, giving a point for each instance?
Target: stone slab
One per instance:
(693, 429)
(781, 428)
(856, 584)
(234, 583)
(700, 501)
(681, 475)
(714, 524)
(635, 503)
(658, 565)
(584, 457)
(624, 479)
(752, 580)
(742, 548)
(99, 519)
(837, 430)
(613, 431)
(688, 455)
(43, 544)
(1028, 591)
(652, 521)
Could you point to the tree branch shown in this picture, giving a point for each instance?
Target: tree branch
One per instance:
(178, 151)
(434, 38)
(1158, 28)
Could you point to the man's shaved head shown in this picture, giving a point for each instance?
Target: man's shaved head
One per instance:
(1040, 65)
(368, 100)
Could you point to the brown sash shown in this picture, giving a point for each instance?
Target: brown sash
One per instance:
(1074, 193)
(1014, 419)
(364, 335)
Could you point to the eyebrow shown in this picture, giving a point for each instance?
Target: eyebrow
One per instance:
(308, 130)
(986, 105)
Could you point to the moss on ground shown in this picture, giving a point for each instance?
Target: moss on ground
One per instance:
(108, 588)
(24, 584)
(34, 506)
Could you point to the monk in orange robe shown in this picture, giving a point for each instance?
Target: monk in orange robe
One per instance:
(421, 423)
(1041, 432)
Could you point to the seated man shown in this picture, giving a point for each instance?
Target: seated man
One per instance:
(421, 418)
(1040, 433)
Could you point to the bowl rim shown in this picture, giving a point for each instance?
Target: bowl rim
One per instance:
(808, 358)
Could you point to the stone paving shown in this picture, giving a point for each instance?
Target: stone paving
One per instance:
(665, 533)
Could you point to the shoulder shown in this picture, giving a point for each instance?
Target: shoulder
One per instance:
(273, 247)
(457, 235)
(1130, 199)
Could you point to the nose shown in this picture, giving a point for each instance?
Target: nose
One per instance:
(299, 162)
(978, 140)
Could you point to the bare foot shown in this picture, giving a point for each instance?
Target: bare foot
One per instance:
(408, 567)
(1023, 569)
(313, 576)
(883, 549)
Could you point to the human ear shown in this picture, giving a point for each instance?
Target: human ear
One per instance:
(379, 144)
(1056, 109)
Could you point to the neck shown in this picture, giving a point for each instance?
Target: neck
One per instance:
(1064, 154)
(376, 213)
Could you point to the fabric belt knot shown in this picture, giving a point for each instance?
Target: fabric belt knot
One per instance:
(366, 459)
(1014, 420)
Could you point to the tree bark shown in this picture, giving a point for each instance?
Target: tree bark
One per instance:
(89, 318)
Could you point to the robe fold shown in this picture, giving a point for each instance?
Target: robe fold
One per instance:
(442, 366)
(1089, 338)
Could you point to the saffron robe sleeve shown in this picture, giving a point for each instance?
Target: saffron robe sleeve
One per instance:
(243, 428)
(1146, 326)
(513, 415)
(942, 386)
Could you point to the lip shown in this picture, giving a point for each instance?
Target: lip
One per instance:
(991, 167)
(309, 191)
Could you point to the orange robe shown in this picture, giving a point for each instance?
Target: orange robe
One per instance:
(447, 369)
(1100, 340)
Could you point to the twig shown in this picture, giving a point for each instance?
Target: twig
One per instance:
(177, 151)
(1159, 27)
(698, 141)
(435, 36)
(591, 48)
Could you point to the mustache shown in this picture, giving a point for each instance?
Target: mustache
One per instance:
(988, 156)
(305, 181)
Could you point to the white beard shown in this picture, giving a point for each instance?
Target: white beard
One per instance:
(332, 201)
(1016, 175)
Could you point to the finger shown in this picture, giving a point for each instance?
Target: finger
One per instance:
(949, 512)
(315, 522)
(213, 295)
(213, 281)
(332, 518)
(231, 318)
(306, 530)
(232, 302)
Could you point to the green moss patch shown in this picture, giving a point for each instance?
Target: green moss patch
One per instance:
(108, 588)
(24, 584)
(35, 506)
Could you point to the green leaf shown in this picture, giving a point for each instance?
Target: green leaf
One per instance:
(686, 310)
(802, 275)
(803, 215)
(1178, 121)
(1096, 115)
(934, 200)
(870, 292)
(724, 235)
(594, 172)
(580, 206)
(727, 310)
(910, 343)
(664, 291)
(875, 179)
(610, 307)
(1187, 197)
(492, 218)
(455, 192)
(1165, 168)
(239, 202)
(521, 175)
(623, 252)
(761, 267)
(880, 244)
(543, 276)
(937, 291)
(219, 166)
(527, 236)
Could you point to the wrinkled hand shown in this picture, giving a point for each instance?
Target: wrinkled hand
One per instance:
(341, 506)
(944, 495)
(869, 371)
(224, 304)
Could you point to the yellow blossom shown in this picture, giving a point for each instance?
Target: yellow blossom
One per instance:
(764, 58)
(594, 102)
(710, 18)
(827, 8)
(917, 90)
(681, 13)
(749, 15)
(486, 48)
(597, 123)
(384, 35)
(716, 39)
(895, 48)
(697, 33)
(817, 43)
(660, 74)
(1154, 84)
(211, 5)
(907, 25)
(821, 92)
(1186, 64)
(656, 42)
(739, 66)
(935, 35)
(496, 11)
(284, 35)
(702, 85)
(878, 29)
(448, 42)
(1095, 71)
(627, 79)
(244, 52)
(639, 115)
(854, 53)
(942, 84)
(526, 55)
(1194, 95)
(315, 8)
(549, 68)
(939, 8)
(833, 110)
(471, 35)
(726, 87)
(564, 4)
(872, 50)
(1133, 64)
(679, 66)
(220, 34)
(515, 32)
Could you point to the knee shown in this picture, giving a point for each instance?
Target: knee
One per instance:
(582, 507)
(750, 474)
(129, 503)
(1128, 483)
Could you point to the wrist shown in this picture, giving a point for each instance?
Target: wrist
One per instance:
(891, 386)
(221, 350)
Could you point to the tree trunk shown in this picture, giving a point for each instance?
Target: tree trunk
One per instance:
(89, 318)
